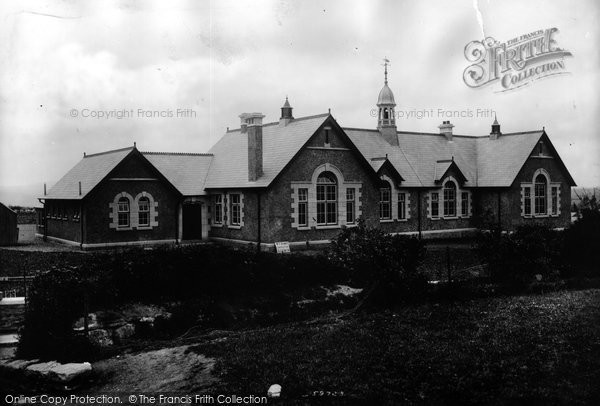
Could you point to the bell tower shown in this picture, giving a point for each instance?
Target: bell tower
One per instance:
(386, 120)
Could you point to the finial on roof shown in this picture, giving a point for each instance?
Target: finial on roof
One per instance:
(134, 144)
(84, 154)
(495, 119)
(543, 128)
(452, 158)
(329, 109)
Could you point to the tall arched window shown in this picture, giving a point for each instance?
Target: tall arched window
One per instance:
(449, 199)
(326, 199)
(144, 212)
(385, 201)
(540, 196)
(123, 212)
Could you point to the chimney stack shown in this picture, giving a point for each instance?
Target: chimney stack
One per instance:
(446, 129)
(251, 123)
(495, 129)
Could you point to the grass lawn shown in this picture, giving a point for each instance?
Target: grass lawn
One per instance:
(538, 349)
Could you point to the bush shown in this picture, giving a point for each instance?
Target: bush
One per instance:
(582, 245)
(386, 265)
(515, 259)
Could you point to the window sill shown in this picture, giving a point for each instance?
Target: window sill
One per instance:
(144, 228)
(123, 228)
(219, 225)
(235, 227)
(328, 226)
(386, 220)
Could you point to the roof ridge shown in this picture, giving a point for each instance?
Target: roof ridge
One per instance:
(177, 153)
(292, 121)
(106, 152)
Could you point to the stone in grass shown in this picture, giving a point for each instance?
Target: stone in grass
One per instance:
(92, 323)
(274, 391)
(123, 332)
(57, 372)
(100, 338)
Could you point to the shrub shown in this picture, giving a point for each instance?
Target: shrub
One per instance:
(581, 248)
(516, 258)
(386, 265)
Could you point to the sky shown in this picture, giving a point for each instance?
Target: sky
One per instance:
(83, 76)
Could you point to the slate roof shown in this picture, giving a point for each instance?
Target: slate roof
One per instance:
(280, 143)
(89, 171)
(187, 172)
(422, 158)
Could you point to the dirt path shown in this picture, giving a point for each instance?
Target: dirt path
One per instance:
(165, 370)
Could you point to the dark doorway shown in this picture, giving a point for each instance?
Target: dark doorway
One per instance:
(192, 221)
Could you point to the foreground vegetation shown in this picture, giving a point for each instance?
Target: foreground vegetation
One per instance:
(537, 349)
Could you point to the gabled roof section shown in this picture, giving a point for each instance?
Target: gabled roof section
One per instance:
(381, 164)
(186, 171)
(442, 167)
(89, 171)
(229, 168)
(500, 160)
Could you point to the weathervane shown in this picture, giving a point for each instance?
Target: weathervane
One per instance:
(386, 62)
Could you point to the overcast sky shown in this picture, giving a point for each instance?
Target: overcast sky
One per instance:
(220, 59)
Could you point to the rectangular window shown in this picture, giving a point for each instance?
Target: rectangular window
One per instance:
(236, 209)
(435, 204)
(402, 206)
(123, 212)
(385, 206)
(464, 204)
(144, 212)
(76, 214)
(218, 219)
(303, 207)
(326, 204)
(554, 200)
(540, 198)
(449, 202)
(527, 201)
(350, 196)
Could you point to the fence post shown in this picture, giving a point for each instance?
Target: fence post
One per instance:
(449, 272)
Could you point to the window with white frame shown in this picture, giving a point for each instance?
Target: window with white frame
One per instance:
(435, 204)
(326, 199)
(450, 202)
(350, 205)
(541, 197)
(123, 212)
(236, 208)
(554, 200)
(218, 217)
(303, 207)
(464, 204)
(450, 199)
(402, 206)
(385, 202)
(144, 211)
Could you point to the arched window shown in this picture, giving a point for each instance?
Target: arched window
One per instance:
(385, 201)
(144, 212)
(326, 199)
(386, 113)
(123, 212)
(540, 203)
(449, 199)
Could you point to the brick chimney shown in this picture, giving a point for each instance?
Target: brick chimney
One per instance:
(251, 123)
(446, 129)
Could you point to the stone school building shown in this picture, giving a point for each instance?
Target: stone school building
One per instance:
(304, 179)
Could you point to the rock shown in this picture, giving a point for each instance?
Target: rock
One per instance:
(65, 373)
(125, 331)
(18, 363)
(100, 337)
(42, 369)
(149, 321)
(274, 391)
(538, 277)
(92, 323)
